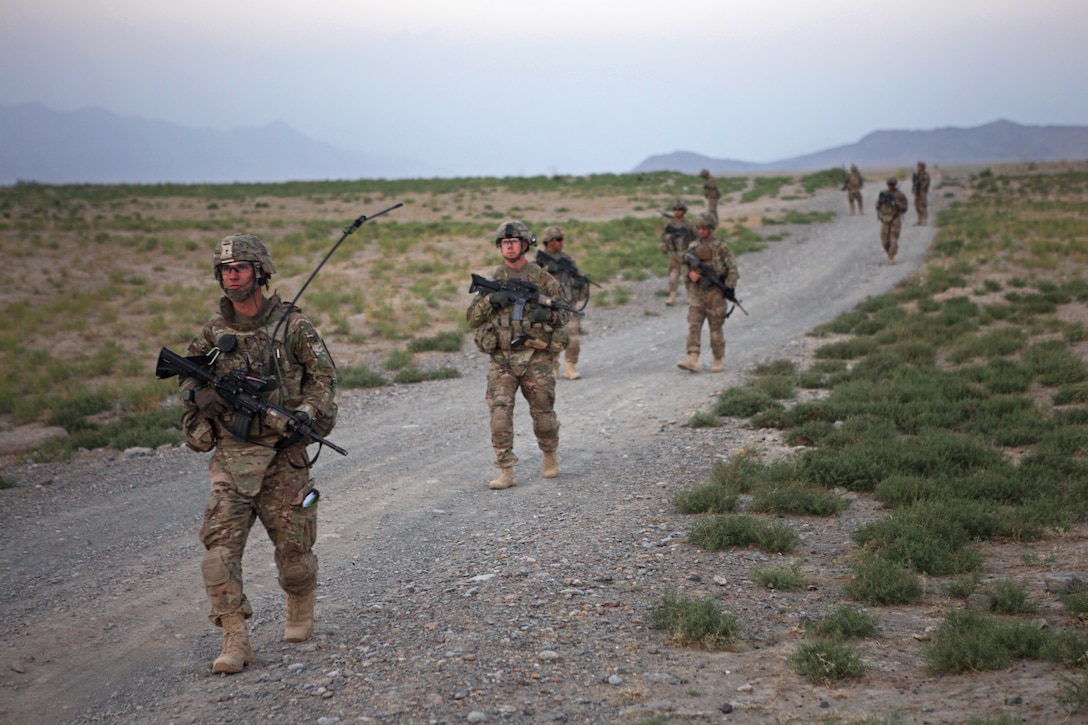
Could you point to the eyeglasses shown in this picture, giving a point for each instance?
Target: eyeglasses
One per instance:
(239, 268)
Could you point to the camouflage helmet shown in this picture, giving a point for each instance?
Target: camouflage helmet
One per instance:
(892, 181)
(705, 173)
(680, 205)
(244, 248)
(513, 229)
(551, 233)
(706, 220)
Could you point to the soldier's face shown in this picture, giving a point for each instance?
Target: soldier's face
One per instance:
(678, 213)
(511, 248)
(704, 232)
(555, 245)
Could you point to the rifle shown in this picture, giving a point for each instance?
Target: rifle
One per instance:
(678, 230)
(710, 277)
(242, 393)
(566, 267)
(524, 293)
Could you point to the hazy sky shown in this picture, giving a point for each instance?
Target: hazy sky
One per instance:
(483, 87)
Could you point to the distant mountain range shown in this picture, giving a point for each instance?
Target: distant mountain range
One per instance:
(96, 146)
(997, 142)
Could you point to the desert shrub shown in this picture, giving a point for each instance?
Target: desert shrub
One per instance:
(843, 622)
(879, 581)
(826, 661)
(722, 531)
(694, 621)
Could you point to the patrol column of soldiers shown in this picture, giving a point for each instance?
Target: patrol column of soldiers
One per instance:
(706, 301)
(891, 205)
(267, 475)
(675, 238)
(852, 186)
(710, 191)
(527, 366)
(920, 189)
(574, 289)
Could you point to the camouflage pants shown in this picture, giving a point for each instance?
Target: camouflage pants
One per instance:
(855, 197)
(538, 387)
(229, 516)
(889, 236)
(574, 347)
(712, 208)
(708, 305)
(921, 205)
(674, 271)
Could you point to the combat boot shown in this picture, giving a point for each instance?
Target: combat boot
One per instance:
(717, 366)
(236, 652)
(569, 372)
(672, 298)
(300, 617)
(505, 479)
(692, 363)
(551, 464)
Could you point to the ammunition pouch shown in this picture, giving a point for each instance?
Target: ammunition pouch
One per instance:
(199, 431)
(486, 339)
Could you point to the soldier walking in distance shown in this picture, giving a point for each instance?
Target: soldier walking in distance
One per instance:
(710, 191)
(266, 476)
(852, 185)
(675, 238)
(920, 189)
(706, 301)
(574, 287)
(891, 205)
(522, 352)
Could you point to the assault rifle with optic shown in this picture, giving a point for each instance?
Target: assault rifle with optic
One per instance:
(523, 291)
(242, 394)
(709, 277)
(567, 268)
(678, 231)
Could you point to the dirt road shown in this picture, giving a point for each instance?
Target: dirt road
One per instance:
(439, 599)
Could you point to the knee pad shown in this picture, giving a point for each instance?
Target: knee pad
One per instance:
(214, 567)
(298, 574)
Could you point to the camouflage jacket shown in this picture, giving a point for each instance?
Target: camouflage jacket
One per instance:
(297, 362)
(854, 182)
(718, 255)
(677, 235)
(486, 320)
(920, 182)
(891, 205)
(572, 287)
(710, 189)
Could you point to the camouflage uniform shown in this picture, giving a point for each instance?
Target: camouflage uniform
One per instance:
(710, 191)
(709, 303)
(253, 479)
(920, 189)
(853, 185)
(675, 238)
(891, 205)
(525, 367)
(576, 292)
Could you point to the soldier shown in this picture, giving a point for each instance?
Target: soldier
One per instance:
(574, 287)
(522, 352)
(266, 475)
(852, 185)
(891, 205)
(920, 189)
(710, 191)
(675, 238)
(706, 301)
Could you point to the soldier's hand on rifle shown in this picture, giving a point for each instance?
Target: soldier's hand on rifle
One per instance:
(539, 315)
(209, 402)
(500, 299)
(281, 424)
(694, 275)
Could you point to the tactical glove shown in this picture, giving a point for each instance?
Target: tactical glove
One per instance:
(539, 315)
(500, 299)
(209, 403)
(280, 424)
